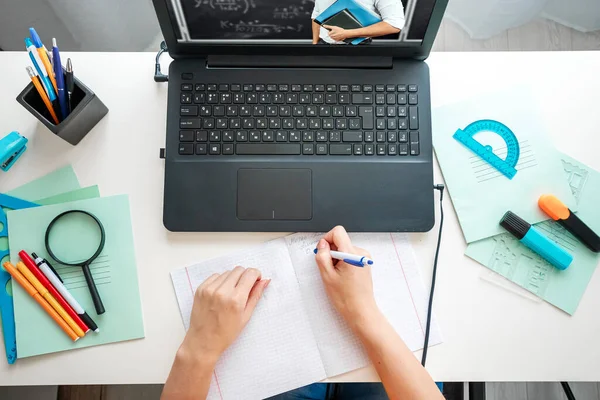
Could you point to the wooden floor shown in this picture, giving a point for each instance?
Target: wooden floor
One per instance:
(538, 35)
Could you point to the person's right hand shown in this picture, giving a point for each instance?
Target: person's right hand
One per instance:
(349, 288)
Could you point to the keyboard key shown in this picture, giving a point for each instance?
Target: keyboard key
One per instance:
(267, 136)
(259, 88)
(272, 111)
(381, 137)
(291, 98)
(413, 99)
(413, 119)
(381, 149)
(380, 88)
(362, 98)
(307, 137)
(274, 123)
(391, 137)
(265, 98)
(186, 87)
(215, 136)
(212, 98)
(319, 88)
(186, 149)
(311, 111)
(248, 88)
(327, 123)
(228, 136)
(391, 123)
(392, 150)
(380, 98)
(219, 111)
(351, 111)
(236, 87)
(201, 136)
(212, 87)
(390, 88)
(201, 148)
(414, 149)
(322, 148)
(214, 149)
(281, 136)
(235, 123)
(331, 88)
(188, 111)
(241, 136)
(369, 136)
(238, 98)
(341, 123)
(335, 136)
(356, 88)
(296, 88)
(301, 123)
(287, 123)
(369, 149)
(314, 123)
(254, 136)
(223, 87)
(414, 137)
(413, 88)
(401, 88)
(221, 123)
(200, 98)
(304, 98)
(402, 125)
(321, 136)
(294, 136)
(352, 136)
(185, 98)
(247, 123)
(324, 111)
(200, 87)
(390, 99)
(232, 111)
(358, 149)
(318, 98)
(380, 111)
(403, 149)
(367, 117)
(344, 88)
(285, 111)
(284, 87)
(278, 98)
(403, 137)
(340, 149)
(330, 98)
(402, 99)
(228, 148)
(337, 111)
(271, 88)
(344, 98)
(308, 149)
(381, 124)
(186, 136)
(391, 111)
(189, 123)
(367, 88)
(188, 76)
(354, 123)
(307, 88)
(401, 111)
(268, 149)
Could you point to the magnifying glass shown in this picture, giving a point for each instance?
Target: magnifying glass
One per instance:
(76, 238)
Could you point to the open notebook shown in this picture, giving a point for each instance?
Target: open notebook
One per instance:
(295, 337)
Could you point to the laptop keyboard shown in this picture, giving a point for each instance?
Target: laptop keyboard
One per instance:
(294, 119)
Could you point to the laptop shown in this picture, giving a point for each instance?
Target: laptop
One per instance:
(269, 132)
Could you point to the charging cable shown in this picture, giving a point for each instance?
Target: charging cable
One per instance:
(435, 261)
(158, 75)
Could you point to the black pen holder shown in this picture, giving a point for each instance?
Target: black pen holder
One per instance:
(86, 111)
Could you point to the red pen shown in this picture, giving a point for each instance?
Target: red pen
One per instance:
(30, 264)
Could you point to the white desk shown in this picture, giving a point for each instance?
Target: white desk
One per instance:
(490, 334)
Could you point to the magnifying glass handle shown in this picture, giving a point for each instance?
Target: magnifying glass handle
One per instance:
(93, 290)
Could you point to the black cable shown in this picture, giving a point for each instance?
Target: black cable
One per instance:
(568, 392)
(158, 75)
(435, 261)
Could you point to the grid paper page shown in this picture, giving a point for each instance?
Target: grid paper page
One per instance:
(277, 351)
(399, 293)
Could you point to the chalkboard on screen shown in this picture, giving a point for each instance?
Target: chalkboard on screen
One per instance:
(248, 19)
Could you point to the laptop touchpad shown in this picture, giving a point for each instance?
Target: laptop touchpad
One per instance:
(274, 194)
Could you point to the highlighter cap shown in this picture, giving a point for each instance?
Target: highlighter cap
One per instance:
(553, 207)
(515, 224)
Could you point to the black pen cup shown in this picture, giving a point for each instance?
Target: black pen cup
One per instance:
(86, 111)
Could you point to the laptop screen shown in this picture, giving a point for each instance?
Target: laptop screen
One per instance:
(401, 23)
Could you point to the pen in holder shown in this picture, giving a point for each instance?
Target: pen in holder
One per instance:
(86, 111)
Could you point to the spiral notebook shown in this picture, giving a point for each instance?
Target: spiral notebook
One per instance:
(295, 337)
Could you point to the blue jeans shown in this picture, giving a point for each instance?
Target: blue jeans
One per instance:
(337, 391)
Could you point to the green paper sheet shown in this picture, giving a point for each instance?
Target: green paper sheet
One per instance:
(114, 271)
(60, 181)
(508, 257)
(90, 192)
(480, 194)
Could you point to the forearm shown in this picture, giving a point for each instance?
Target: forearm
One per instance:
(316, 30)
(190, 375)
(379, 29)
(401, 373)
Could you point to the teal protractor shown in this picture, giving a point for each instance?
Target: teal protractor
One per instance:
(507, 166)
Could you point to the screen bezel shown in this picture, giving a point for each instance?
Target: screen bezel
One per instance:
(187, 50)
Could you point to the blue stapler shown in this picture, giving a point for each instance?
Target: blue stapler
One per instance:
(12, 146)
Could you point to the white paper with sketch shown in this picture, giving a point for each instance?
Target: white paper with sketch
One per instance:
(480, 194)
(295, 337)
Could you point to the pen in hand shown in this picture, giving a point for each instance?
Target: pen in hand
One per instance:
(69, 81)
(352, 259)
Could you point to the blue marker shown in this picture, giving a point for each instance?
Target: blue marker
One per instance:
(536, 241)
(358, 261)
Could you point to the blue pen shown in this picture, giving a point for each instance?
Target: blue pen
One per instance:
(536, 241)
(60, 80)
(352, 259)
(39, 67)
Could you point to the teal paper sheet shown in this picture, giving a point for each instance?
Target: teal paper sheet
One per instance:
(508, 257)
(480, 194)
(114, 271)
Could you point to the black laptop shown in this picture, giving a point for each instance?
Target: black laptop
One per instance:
(268, 132)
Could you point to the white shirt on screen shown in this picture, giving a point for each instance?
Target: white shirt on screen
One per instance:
(390, 11)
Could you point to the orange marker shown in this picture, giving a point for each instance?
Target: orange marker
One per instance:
(42, 92)
(17, 276)
(22, 268)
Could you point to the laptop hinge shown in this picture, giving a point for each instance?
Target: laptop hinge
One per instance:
(256, 61)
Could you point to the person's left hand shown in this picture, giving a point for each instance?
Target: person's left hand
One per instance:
(223, 305)
(337, 33)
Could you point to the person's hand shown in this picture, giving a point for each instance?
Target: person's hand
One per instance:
(337, 33)
(349, 288)
(223, 305)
